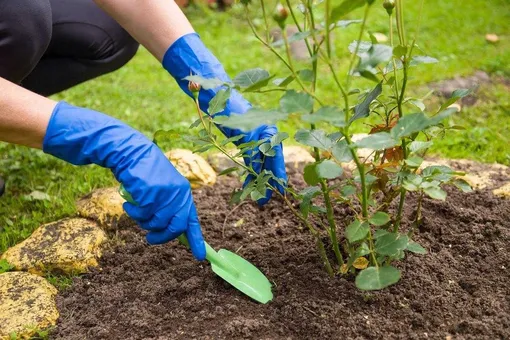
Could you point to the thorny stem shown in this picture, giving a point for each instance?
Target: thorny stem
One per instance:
(313, 231)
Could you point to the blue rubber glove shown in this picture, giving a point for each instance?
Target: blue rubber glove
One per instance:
(164, 201)
(189, 56)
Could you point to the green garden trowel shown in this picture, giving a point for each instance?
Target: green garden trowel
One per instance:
(231, 267)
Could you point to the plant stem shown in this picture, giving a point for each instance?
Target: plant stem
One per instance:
(358, 43)
(416, 223)
(313, 231)
(265, 20)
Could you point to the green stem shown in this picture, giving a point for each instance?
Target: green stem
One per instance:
(358, 43)
(265, 20)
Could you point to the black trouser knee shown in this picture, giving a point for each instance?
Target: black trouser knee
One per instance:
(25, 34)
(84, 43)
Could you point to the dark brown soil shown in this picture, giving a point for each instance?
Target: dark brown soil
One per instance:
(461, 288)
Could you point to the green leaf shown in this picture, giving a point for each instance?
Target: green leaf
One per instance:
(399, 51)
(462, 185)
(363, 110)
(417, 146)
(348, 190)
(283, 82)
(456, 95)
(219, 101)
(342, 152)
(419, 59)
(307, 195)
(306, 75)
(329, 114)
(295, 37)
(379, 219)
(376, 278)
(416, 248)
(346, 23)
(435, 192)
(414, 161)
(252, 119)
(328, 169)
(418, 103)
(232, 139)
(296, 102)
(356, 231)
(206, 83)
(380, 232)
(314, 138)
(228, 171)
(195, 123)
(310, 174)
(345, 8)
(416, 122)
(362, 250)
(165, 135)
(377, 141)
(5, 266)
(390, 244)
(251, 80)
(364, 46)
(278, 138)
(267, 150)
(370, 59)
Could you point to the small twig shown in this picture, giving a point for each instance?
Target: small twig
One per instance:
(228, 215)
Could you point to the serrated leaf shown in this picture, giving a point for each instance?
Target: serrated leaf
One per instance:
(310, 174)
(435, 193)
(251, 80)
(370, 59)
(342, 152)
(232, 139)
(345, 8)
(307, 195)
(416, 122)
(328, 169)
(314, 138)
(206, 83)
(278, 138)
(379, 218)
(252, 119)
(417, 146)
(348, 190)
(219, 101)
(363, 47)
(380, 232)
(414, 161)
(377, 141)
(362, 250)
(329, 114)
(416, 248)
(296, 102)
(363, 110)
(195, 123)
(357, 231)
(390, 244)
(376, 278)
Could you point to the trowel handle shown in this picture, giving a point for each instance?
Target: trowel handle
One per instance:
(210, 254)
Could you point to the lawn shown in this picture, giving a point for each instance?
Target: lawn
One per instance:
(42, 189)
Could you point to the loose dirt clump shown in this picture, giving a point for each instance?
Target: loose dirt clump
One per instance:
(460, 288)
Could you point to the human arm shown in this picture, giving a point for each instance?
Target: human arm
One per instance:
(81, 136)
(165, 31)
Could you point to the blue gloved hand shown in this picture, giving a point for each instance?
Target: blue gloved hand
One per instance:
(189, 56)
(164, 201)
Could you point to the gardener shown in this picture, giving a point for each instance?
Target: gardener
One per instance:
(47, 46)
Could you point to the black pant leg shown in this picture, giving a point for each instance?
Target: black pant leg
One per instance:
(85, 43)
(25, 33)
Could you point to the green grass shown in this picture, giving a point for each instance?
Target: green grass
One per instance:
(145, 96)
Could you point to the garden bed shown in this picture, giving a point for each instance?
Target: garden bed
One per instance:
(459, 289)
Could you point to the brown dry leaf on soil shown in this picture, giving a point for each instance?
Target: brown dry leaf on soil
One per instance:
(360, 263)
